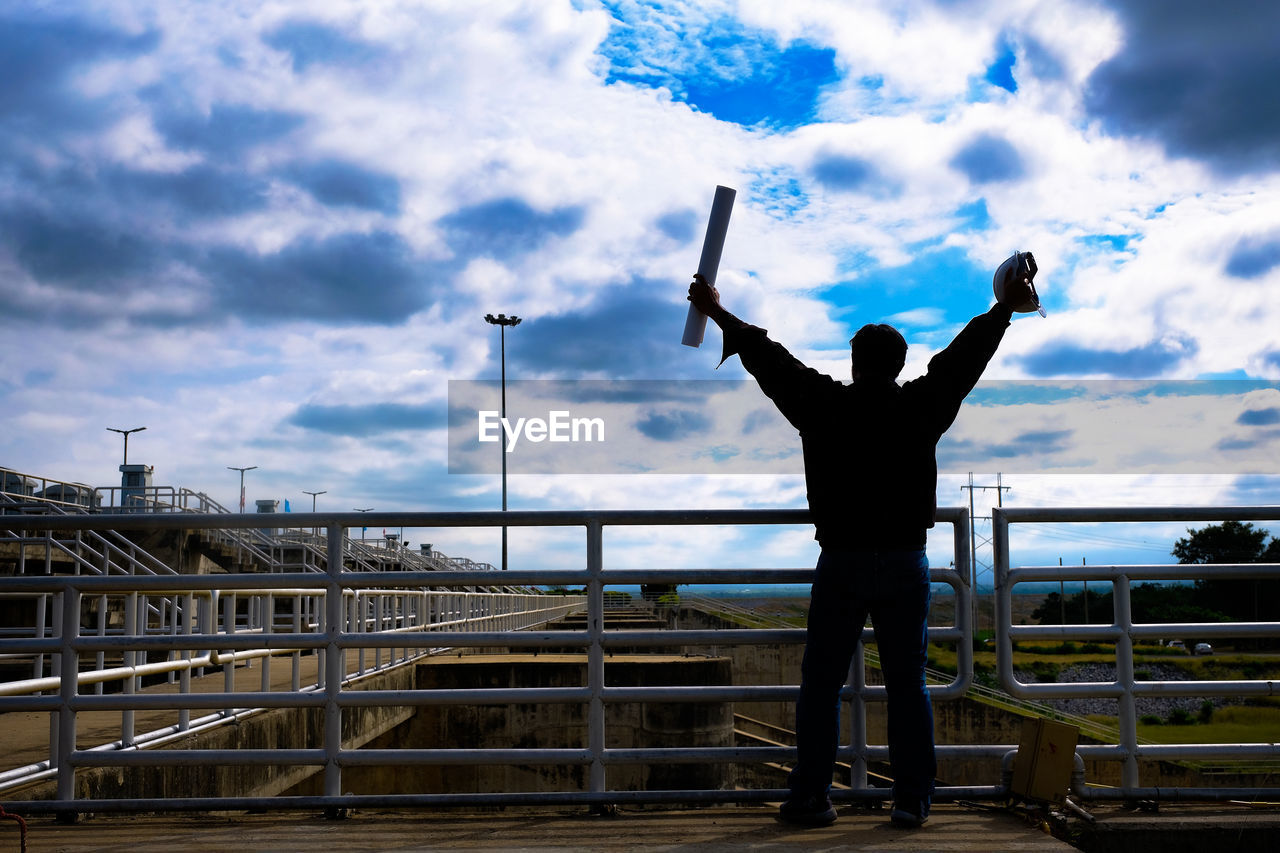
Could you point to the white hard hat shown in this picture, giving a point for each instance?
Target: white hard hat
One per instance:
(1020, 266)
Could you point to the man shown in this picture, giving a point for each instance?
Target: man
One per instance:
(871, 474)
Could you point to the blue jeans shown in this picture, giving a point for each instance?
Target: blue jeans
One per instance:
(893, 588)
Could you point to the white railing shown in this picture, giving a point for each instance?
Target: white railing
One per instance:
(1123, 632)
(348, 621)
(340, 630)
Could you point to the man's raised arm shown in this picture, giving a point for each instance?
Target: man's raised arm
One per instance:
(783, 377)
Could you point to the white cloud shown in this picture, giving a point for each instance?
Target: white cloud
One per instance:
(462, 104)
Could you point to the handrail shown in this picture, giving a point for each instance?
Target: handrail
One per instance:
(1123, 631)
(348, 620)
(332, 640)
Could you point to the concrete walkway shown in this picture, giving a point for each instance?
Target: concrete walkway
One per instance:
(951, 828)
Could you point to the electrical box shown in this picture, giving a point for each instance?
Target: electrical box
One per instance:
(1046, 756)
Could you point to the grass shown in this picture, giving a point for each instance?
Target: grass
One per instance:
(1232, 724)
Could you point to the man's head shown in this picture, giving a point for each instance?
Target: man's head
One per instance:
(878, 352)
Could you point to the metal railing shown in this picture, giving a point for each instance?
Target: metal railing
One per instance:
(1123, 632)
(337, 634)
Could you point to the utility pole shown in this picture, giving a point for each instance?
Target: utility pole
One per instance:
(973, 537)
(1084, 561)
(1062, 596)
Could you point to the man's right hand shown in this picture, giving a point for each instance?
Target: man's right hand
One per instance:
(705, 297)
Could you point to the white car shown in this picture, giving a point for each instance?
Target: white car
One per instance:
(1177, 644)
(1204, 649)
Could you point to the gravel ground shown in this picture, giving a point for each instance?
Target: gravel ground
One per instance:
(1159, 706)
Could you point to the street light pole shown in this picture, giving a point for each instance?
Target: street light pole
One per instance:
(314, 532)
(241, 470)
(502, 321)
(125, 433)
(364, 529)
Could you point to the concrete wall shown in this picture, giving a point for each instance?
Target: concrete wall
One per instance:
(280, 728)
(551, 726)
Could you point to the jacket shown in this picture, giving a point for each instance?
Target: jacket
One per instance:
(870, 459)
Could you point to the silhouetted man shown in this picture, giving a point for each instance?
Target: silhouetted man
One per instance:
(871, 474)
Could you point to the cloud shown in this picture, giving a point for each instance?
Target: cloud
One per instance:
(199, 192)
(342, 184)
(673, 425)
(679, 225)
(1259, 440)
(1196, 77)
(1042, 442)
(626, 332)
(74, 250)
(1254, 257)
(1259, 417)
(1147, 360)
(505, 228)
(844, 172)
(39, 55)
(368, 419)
(313, 43)
(345, 279)
(226, 131)
(989, 158)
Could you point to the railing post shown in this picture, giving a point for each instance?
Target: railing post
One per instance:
(858, 718)
(1004, 604)
(1128, 717)
(964, 596)
(595, 655)
(67, 693)
(295, 678)
(229, 627)
(127, 731)
(334, 667)
(184, 677)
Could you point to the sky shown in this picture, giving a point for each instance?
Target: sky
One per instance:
(270, 232)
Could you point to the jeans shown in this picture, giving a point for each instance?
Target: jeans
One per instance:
(893, 588)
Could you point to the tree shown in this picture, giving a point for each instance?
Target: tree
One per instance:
(1233, 542)
(1150, 602)
(1228, 542)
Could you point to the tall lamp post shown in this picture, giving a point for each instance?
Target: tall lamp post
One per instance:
(502, 321)
(313, 503)
(241, 470)
(363, 530)
(125, 433)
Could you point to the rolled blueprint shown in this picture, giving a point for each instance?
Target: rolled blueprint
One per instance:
(695, 324)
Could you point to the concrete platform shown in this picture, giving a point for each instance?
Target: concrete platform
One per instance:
(951, 828)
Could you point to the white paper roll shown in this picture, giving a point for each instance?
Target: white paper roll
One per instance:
(695, 324)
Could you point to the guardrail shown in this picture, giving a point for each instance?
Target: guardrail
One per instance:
(337, 634)
(1122, 631)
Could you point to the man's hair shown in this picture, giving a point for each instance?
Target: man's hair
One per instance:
(879, 351)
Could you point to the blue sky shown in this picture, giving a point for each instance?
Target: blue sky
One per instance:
(270, 233)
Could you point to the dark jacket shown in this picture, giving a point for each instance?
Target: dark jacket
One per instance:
(869, 447)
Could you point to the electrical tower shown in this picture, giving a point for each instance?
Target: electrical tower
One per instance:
(977, 541)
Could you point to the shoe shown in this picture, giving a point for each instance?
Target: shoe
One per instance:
(909, 816)
(815, 810)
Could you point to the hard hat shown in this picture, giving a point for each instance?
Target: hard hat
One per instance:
(1020, 266)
